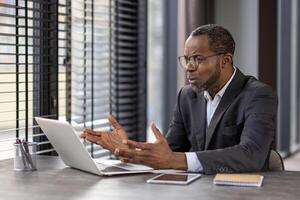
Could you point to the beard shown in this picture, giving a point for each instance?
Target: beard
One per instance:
(210, 82)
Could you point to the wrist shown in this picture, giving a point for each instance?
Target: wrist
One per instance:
(179, 161)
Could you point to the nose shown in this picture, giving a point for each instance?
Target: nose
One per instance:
(189, 67)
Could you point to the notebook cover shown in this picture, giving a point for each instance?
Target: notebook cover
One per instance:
(239, 179)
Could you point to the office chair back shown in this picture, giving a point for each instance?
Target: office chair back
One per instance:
(275, 161)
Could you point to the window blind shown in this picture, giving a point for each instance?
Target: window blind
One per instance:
(108, 66)
(78, 61)
(24, 38)
(90, 42)
(128, 75)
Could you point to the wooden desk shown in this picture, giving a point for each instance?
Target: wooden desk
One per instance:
(54, 181)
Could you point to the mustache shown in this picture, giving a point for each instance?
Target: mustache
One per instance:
(188, 76)
(196, 88)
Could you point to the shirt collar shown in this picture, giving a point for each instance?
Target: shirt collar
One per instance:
(222, 91)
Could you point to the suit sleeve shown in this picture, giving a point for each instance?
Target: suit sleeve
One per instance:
(256, 138)
(176, 136)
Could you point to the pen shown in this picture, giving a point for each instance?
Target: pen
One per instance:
(18, 141)
(27, 153)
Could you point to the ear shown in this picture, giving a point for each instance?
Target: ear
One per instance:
(227, 59)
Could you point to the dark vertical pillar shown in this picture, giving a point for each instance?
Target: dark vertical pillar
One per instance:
(169, 61)
(298, 74)
(268, 42)
(17, 72)
(45, 68)
(142, 71)
(26, 71)
(92, 74)
(284, 74)
(68, 61)
(267, 52)
(198, 13)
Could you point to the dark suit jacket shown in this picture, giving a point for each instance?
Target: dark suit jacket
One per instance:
(241, 131)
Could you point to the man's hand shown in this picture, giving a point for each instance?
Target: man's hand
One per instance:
(157, 155)
(108, 139)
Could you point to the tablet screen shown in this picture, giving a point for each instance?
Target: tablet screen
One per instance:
(172, 177)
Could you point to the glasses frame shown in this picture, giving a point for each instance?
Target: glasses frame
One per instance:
(196, 60)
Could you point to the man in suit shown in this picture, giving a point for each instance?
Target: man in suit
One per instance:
(224, 121)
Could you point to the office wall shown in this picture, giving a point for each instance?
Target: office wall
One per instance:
(240, 17)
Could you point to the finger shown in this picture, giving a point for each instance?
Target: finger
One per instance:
(88, 130)
(136, 145)
(92, 139)
(91, 132)
(126, 160)
(127, 153)
(99, 133)
(83, 135)
(135, 160)
(117, 151)
(114, 123)
(156, 132)
(130, 160)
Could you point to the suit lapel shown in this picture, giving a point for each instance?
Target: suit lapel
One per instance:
(201, 132)
(231, 92)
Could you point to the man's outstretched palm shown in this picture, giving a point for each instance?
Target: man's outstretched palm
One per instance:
(108, 139)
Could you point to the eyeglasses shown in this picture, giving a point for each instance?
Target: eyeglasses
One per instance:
(194, 60)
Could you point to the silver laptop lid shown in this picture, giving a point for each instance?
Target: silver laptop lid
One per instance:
(67, 144)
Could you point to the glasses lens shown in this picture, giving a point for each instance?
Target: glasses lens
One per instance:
(182, 61)
(194, 61)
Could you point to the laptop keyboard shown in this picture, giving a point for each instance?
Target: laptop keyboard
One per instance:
(118, 166)
(104, 168)
(114, 169)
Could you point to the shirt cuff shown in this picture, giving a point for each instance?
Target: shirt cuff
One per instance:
(193, 163)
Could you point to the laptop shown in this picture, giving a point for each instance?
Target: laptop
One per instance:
(67, 143)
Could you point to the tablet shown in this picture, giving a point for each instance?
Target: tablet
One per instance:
(182, 179)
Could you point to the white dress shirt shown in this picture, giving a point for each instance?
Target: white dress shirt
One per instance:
(193, 163)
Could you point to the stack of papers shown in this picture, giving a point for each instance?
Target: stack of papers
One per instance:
(250, 180)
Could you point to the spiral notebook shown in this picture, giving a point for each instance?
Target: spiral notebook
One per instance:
(247, 180)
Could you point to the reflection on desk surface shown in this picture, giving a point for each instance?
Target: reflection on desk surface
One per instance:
(53, 180)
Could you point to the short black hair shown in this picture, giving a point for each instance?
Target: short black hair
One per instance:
(220, 40)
